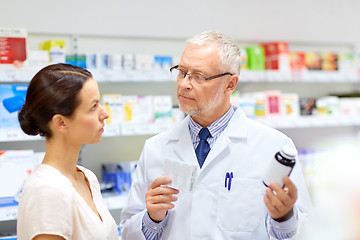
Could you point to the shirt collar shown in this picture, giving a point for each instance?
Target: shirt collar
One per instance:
(216, 127)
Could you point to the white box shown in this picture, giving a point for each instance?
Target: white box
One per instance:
(15, 167)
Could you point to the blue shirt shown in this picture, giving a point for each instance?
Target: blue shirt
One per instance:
(281, 230)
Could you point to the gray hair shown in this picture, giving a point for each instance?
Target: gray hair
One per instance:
(229, 52)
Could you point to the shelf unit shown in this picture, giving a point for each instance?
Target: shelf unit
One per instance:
(117, 139)
(25, 75)
(160, 76)
(112, 201)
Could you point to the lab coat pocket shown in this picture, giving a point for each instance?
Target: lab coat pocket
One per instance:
(239, 208)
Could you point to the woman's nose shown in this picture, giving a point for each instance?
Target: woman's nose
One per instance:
(104, 114)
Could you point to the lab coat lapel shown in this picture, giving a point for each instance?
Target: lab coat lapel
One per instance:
(184, 147)
(236, 130)
(220, 145)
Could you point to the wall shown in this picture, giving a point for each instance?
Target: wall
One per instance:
(327, 21)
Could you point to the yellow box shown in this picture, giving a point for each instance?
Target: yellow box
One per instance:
(52, 44)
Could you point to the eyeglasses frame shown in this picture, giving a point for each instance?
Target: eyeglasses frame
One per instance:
(206, 78)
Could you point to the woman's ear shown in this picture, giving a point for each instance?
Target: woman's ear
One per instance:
(58, 123)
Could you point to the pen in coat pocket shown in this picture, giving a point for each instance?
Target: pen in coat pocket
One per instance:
(228, 176)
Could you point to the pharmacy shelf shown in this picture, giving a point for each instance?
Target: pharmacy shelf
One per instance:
(128, 129)
(302, 76)
(132, 129)
(15, 134)
(112, 201)
(25, 75)
(310, 121)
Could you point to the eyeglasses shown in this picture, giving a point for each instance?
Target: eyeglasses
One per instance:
(197, 77)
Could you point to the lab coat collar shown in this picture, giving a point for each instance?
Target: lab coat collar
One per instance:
(236, 129)
(237, 126)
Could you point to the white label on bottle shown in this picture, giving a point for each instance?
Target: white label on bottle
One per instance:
(276, 172)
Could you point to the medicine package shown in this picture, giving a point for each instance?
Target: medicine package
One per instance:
(183, 174)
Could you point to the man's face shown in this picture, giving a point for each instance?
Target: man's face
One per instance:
(205, 100)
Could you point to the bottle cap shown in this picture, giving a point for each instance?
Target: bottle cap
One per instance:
(289, 151)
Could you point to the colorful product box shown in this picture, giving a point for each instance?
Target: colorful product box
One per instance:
(349, 106)
(114, 106)
(277, 56)
(329, 61)
(144, 62)
(256, 58)
(128, 62)
(260, 104)
(76, 60)
(313, 60)
(12, 98)
(37, 59)
(116, 62)
(290, 104)
(138, 109)
(347, 62)
(307, 106)
(247, 104)
(162, 106)
(13, 46)
(15, 167)
(244, 59)
(56, 49)
(162, 62)
(273, 103)
(297, 61)
(328, 105)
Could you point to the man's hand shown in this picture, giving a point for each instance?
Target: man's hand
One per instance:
(159, 198)
(280, 202)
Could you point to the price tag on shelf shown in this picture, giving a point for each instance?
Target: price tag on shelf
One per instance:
(3, 76)
(349, 77)
(163, 76)
(136, 129)
(163, 126)
(12, 134)
(10, 76)
(277, 76)
(336, 77)
(111, 130)
(297, 76)
(19, 75)
(15, 134)
(108, 75)
(251, 76)
(8, 213)
(140, 76)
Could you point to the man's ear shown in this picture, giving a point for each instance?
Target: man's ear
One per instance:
(58, 122)
(232, 83)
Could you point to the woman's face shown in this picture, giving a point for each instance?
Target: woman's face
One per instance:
(87, 122)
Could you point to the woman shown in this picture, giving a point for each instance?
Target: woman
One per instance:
(61, 200)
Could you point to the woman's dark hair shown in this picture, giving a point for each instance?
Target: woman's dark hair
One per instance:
(53, 90)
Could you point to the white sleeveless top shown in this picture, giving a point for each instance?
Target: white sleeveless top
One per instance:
(49, 204)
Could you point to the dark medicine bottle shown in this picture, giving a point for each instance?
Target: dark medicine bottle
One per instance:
(282, 165)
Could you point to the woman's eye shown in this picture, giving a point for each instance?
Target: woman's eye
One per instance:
(93, 107)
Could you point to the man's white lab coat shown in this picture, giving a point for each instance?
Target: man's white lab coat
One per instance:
(211, 211)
